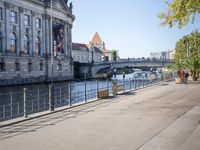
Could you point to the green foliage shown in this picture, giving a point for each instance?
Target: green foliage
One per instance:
(176, 66)
(114, 55)
(180, 11)
(187, 53)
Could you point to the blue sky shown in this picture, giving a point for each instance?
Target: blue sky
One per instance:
(130, 26)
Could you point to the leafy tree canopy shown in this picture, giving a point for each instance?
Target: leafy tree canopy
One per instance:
(187, 52)
(180, 11)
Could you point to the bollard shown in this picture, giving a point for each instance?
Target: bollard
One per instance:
(25, 104)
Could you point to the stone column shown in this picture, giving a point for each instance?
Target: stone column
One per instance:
(20, 38)
(69, 41)
(65, 39)
(7, 26)
(3, 31)
(47, 34)
(33, 34)
(43, 40)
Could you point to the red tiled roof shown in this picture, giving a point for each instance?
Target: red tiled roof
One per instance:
(96, 39)
(80, 46)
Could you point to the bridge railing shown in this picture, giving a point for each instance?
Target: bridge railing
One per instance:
(135, 61)
(27, 102)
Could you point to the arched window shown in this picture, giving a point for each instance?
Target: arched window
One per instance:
(26, 44)
(37, 46)
(13, 43)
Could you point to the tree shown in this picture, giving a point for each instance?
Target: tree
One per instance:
(181, 12)
(188, 52)
(114, 55)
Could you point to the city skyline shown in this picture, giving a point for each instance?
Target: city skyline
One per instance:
(132, 27)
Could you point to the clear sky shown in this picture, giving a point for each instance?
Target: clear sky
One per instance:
(130, 26)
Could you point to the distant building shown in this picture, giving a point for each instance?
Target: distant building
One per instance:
(97, 42)
(171, 54)
(94, 51)
(160, 55)
(25, 43)
(85, 53)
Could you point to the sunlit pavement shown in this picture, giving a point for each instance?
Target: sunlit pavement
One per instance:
(162, 117)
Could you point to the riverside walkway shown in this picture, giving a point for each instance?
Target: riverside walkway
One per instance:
(162, 117)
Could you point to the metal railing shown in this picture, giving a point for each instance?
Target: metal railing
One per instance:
(26, 102)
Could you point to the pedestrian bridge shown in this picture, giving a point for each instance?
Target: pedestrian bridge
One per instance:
(108, 66)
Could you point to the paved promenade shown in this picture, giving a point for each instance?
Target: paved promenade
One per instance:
(162, 117)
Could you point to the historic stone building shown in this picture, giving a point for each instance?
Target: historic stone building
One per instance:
(30, 31)
(99, 43)
(86, 53)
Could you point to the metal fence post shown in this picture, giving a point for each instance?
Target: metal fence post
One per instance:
(123, 85)
(107, 85)
(50, 97)
(25, 104)
(4, 111)
(60, 95)
(69, 93)
(97, 87)
(143, 82)
(38, 94)
(11, 104)
(85, 91)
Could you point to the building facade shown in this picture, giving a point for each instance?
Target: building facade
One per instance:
(160, 55)
(99, 43)
(95, 51)
(86, 53)
(35, 41)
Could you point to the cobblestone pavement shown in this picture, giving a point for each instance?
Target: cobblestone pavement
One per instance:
(162, 117)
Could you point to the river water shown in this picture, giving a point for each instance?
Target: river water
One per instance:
(38, 95)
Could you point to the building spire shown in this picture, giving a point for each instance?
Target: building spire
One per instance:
(96, 40)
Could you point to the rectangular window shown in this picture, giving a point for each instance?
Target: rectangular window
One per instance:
(30, 67)
(2, 66)
(17, 66)
(13, 17)
(26, 20)
(41, 66)
(1, 13)
(59, 67)
(38, 23)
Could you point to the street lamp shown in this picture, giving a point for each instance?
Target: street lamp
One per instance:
(52, 61)
(92, 52)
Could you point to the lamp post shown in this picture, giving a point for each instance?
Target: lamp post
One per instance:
(52, 60)
(92, 52)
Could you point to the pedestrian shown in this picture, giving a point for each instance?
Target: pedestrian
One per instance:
(186, 77)
(123, 75)
(114, 88)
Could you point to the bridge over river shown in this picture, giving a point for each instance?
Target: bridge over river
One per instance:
(93, 69)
